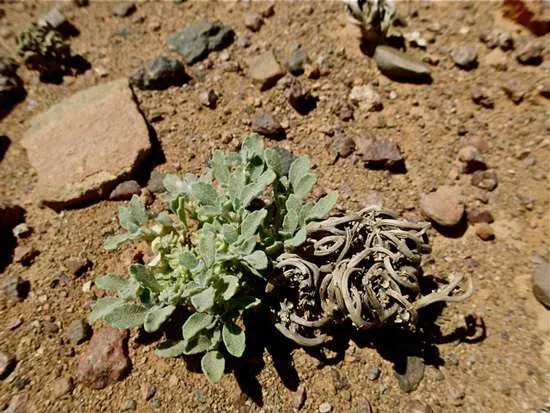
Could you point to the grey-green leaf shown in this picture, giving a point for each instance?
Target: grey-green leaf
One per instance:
(253, 145)
(290, 222)
(232, 284)
(138, 211)
(104, 306)
(322, 207)
(156, 317)
(126, 316)
(298, 239)
(252, 222)
(114, 241)
(207, 247)
(188, 260)
(221, 171)
(257, 259)
(273, 160)
(144, 277)
(196, 323)
(234, 339)
(175, 350)
(204, 193)
(304, 185)
(197, 344)
(111, 282)
(255, 189)
(204, 300)
(213, 365)
(298, 169)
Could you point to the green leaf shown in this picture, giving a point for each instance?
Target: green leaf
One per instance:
(207, 247)
(322, 207)
(209, 210)
(234, 339)
(304, 185)
(114, 241)
(232, 285)
(250, 224)
(287, 158)
(164, 219)
(174, 184)
(304, 212)
(175, 350)
(298, 239)
(188, 260)
(298, 169)
(126, 316)
(290, 222)
(204, 193)
(156, 317)
(104, 306)
(273, 161)
(244, 246)
(197, 344)
(111, 282)
(219, 168)
(256, 188)
(137, 210)
(144, 277)
(257, 259)
(293, 203)
(243, 303)
(213, 365)
(253, 146)
(196, 323)
(237, 182)
(230, 233)
(126, 221)
(274, 249)
(204, 300)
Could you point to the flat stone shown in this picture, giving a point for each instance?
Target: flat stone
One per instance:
(125, 190)
(377, 153)
(123, 9)
(159, 74)
(21, 403)
(14, 288)
(196, 40)
(465, 57)
(265, 70)
(7, 364)
(78, 331)
(514, 90)
(397, 65)
(21, 230)
(414, 372)
(541, 283)
(444, 206)
(476, 216)
(83, 145)
(325, 407)
(62, 387)
(267, 125)
(105, 360)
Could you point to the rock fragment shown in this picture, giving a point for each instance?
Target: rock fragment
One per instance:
(530, 54)
(159, 74)
(325, 407)
(541, 283)
(14, 288)
(366, 98)
(465, 57)
(485, 231)
(123, 9)
(198, 39)
(21, 230)
(21, 403)
(10, 215)
(265, 70)
(397, 65)
(482, 97)
(125, 190)
(531, 14)
(253, 21)
(496, 59)
(418, 407)
(485, 180)
(476, 216)
(378, 153)
(299, 98)
(444, 206)
(300, 397)
(54, 18)
(78, 331)
(514, 91)
(154, 184)
(7, 364)
(105, 360)
(102, 136)
(471, 159)
(267, 125)
(62, 386)
(297, 60)
(208, 98)
(413, 374)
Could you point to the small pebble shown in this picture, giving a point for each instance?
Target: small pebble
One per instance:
(7, 364)
(485, 231)
(374, 373)
(325, 407)
(129, 405)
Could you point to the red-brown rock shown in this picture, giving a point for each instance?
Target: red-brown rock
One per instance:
(105, 361)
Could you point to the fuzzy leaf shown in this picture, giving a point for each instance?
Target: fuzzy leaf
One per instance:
(174, 184)
(207, 247)
(126, 316)
(252, 146)
(204, 300)
(234, 339)
(114, 241)
(197, 344)
(213, 365)
(137, 210)
(273, 161)
(232, 284)
(142, 275)
(111, 282)
(244, 246)
(156, 317)
(104, 306)
(290, 222)
(250, 224)
(230, 233)
(298, 169)
(196, 323)
(164, 219)
(188, 260)
(287, 158)
(257, 259)
(322, 207)
(204, 193)
(304, 185)
(209, 211)
(175, 350)
(219, 168)
(298, 239)
(126, 221)
(256, 188)
(241, 304)
(237, 182)
(293, 203)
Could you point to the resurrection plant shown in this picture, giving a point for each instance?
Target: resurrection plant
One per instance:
(243, 233)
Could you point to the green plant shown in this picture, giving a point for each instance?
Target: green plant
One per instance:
(214, 249)
(44, 49)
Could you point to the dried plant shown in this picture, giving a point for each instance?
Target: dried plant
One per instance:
(363, 267)
(374, 17)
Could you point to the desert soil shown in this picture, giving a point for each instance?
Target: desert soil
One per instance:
(504, 369)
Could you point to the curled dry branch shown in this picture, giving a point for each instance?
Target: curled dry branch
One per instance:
(363, 267)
